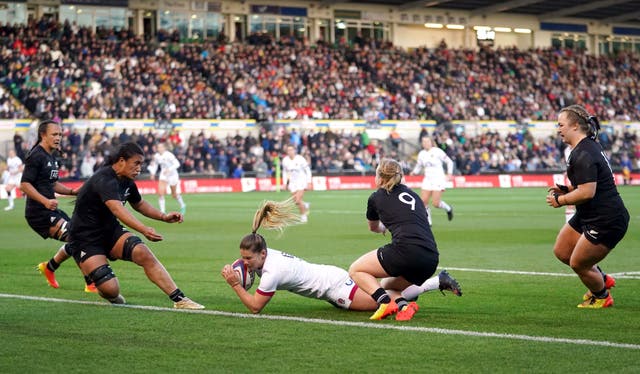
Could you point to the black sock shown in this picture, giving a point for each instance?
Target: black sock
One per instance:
(601, 294)
(381, 296)
(402, 302)
(52, 265)
(87, 280)
(176, 295)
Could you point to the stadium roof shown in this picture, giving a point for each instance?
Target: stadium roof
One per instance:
(606, 11)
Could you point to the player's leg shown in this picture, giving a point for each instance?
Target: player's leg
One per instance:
(442, 282)
(162, 189)
(437, 202)
(297, 198)
(130, 248)
(565, 243)
(365, 271)
(425, 196)
(584, 260)
(100, 273)
(362, 301)
(10, 188)
(178, 197)
(59, 230)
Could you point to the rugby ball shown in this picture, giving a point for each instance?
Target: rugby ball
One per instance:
(245, 276)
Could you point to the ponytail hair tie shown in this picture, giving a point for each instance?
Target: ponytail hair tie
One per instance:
(593, 122)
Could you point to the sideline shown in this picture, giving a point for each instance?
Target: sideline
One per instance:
(384, 326)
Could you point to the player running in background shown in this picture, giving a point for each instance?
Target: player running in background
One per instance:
(14, 174)
(97, 235)
(430, 163)
(296, 175)
(40, 183)
(412, 256)
(601, 219)
(169, 165)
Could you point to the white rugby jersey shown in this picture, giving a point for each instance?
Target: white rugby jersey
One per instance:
(166, 160)
(431, 162)
(295, 170)
(13, 165)
(282, 271)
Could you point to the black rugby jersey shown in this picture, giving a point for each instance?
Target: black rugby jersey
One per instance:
(41, 171)
(92, 221)
(587, 163)
(403, 213)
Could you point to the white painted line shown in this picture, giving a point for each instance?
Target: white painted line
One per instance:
(625, 275)
(384, 326)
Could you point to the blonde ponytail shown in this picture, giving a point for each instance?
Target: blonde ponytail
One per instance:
(272, 215)
(389, 174)
(275, 215)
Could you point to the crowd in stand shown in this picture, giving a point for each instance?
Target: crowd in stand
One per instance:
(61, 71)
(65, 71)
(238, 155)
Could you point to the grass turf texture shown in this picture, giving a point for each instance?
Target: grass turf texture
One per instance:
(495, 229)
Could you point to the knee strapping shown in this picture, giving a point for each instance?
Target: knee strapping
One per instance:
(63, 232)
(67, 250)
(129, 244)
(101, 274)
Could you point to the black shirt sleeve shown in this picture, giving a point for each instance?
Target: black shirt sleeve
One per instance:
(107, 189)
(134, 196)
(31, 169)
(585, 169)
(372, 213)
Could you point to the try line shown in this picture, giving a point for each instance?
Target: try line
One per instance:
(432, 330)
(621, 275)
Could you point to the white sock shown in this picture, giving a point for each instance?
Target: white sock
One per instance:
(161, 203)
(179, 198)
(10, 198)
(429, 215)
(413, 291)
(444, 206)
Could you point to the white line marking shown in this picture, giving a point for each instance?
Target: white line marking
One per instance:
(625, 275)
(384, 326)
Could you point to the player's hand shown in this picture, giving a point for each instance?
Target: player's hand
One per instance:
(553, 196)
(151, 234)
(230, 275)
(173, 217)
(52, 204)
(554, 189)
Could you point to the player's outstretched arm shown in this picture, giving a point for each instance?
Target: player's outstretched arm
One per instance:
(255, 303)
(152, 212)
(125, 216)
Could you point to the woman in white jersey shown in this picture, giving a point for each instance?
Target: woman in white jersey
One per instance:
(281, 271)
(14, 174)
(430, 161)
(169, 165)
(296, 175)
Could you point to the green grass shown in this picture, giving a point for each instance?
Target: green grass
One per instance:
(493, 229)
